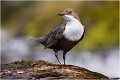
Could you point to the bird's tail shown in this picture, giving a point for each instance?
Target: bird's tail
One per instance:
(40, 40)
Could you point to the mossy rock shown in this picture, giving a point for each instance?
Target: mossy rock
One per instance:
(42, 69)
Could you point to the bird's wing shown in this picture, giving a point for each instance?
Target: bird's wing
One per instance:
(55, 35)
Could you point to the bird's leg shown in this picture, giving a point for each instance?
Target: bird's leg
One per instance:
(64, 56)
(56, 55)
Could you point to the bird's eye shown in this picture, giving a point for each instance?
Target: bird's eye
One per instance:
(70, 12)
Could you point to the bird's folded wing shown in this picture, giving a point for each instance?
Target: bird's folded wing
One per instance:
(55, 35)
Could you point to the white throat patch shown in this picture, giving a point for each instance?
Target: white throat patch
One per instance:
(74, 29)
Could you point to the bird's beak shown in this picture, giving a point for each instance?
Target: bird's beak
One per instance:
(61, 14)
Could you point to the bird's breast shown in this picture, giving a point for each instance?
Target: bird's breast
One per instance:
(73, 31)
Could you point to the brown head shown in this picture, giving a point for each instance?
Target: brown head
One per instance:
(70, 11)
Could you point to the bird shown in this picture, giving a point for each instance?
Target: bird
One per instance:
(66, 35)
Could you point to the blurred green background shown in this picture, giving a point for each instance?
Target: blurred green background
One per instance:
(37, 18)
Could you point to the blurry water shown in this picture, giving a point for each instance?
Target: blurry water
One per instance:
(20, 49)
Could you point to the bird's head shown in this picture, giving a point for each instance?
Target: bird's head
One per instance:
(69, 13)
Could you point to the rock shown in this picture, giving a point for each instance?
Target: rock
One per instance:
(42, 69)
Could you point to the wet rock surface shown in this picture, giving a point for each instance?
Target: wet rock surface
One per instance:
(42, 69)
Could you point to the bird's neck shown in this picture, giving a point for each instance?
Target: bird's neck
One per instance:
(73, 21)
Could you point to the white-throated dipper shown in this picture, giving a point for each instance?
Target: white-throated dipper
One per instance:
(66, 35)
